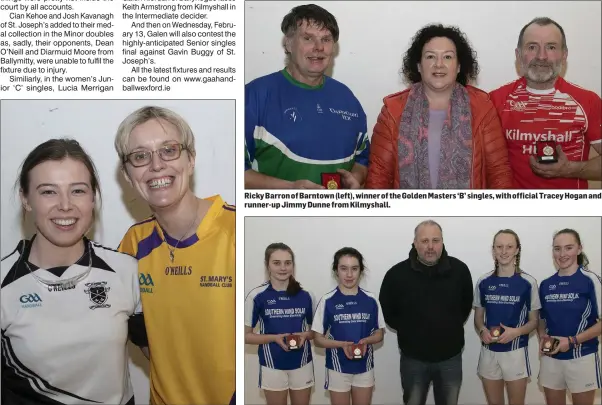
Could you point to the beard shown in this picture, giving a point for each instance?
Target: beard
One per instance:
(541, 72)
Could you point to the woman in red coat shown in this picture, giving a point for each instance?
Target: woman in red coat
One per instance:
(440, 133)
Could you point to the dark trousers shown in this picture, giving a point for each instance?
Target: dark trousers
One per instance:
(416, 378)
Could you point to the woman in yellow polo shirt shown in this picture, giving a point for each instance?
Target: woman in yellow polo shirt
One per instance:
(186, 254)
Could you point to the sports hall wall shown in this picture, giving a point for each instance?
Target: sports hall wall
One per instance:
(374, 35)
(385, 242)
(25, 124)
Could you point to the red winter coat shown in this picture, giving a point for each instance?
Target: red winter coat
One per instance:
(490, 165)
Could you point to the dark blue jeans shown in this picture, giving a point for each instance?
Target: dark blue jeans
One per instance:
(416, 378)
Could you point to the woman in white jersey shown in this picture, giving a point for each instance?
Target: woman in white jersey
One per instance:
(506, 302)
(348, 322)
(570, 313)
(283, 311)
(68, 304)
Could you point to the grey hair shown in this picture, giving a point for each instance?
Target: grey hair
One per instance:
(541, 21)
(427, 222)
(148, 113)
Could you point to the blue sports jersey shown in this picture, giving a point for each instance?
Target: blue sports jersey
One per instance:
(277, 313)
(507, 300)
(294, 132)
(348, 318)
(570, 305)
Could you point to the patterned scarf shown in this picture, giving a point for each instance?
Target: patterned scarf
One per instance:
(456, 142)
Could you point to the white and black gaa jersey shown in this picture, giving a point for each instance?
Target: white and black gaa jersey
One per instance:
(67, 345)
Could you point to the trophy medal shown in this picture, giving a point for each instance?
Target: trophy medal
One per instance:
(550, 344)
(331, 181)
(357, 352)
(495, 332)
(292, 342)
(546, 152)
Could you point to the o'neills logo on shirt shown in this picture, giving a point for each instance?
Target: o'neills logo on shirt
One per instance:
(517, 135)
(178, 271)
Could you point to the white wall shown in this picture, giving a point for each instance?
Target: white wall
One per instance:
(385, 242)
(27, 123)
(374, 35)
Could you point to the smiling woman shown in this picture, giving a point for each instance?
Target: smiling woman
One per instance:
(47, 189)
(53, 282)
(187, 239)
(441, 133)
(27, 123)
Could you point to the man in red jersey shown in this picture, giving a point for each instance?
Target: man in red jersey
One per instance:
(542, 109)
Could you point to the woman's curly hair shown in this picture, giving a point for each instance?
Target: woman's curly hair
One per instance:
(467, 57)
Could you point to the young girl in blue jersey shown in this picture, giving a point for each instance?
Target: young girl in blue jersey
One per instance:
(570, 312)
(348, 316)
(508, 298)
(281, 308)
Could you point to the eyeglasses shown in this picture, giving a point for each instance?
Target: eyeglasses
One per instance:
(144, 157)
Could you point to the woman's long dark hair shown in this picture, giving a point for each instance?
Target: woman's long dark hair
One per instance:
(293, 285)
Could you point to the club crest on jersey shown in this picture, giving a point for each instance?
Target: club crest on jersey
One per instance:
(292, 114)
(98, 294)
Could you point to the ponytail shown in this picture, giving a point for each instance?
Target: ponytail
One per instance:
(582, 260)
(294, 287)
